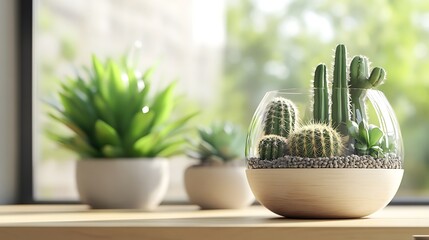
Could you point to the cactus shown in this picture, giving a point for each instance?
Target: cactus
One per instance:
(340, 92)
(315, 140)
(359, 74)
(281, 117)
(272, 147)
(361, 79)
(321, 101)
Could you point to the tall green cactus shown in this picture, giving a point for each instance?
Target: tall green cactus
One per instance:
(281, 117)
(340, 92)
(315, 140)
(272, 147)
(361, 79)
(321, 101)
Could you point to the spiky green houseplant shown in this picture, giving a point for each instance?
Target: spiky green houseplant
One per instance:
(219, 180)
(114, 113)
(220, 143)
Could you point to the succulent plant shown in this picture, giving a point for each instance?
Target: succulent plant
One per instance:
(272, 147)
(361, 79)
(315, 140)
(111, 114)
(219, 143)
(281, 117)
(369, 139)
(340, 91)
(321, 95)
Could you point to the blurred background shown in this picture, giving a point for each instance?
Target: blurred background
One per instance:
(226, 55)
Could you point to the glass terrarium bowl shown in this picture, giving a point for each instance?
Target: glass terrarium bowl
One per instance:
(326, 160)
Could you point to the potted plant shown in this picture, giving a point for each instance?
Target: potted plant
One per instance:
(219, 180)
(123, 132)
(333, 152)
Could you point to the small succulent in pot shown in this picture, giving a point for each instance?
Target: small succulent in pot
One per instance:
(218, 181)
(220, 143)
(123, 130)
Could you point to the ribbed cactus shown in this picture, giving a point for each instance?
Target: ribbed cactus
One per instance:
(281, 117)
(315, 140)
(340, 90)
(361, 79)
(321, 101)
(272, 147)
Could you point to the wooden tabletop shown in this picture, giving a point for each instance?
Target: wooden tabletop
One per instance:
(188, 222)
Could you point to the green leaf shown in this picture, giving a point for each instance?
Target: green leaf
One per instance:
(173, 128)
(163, 104)
(363, 133)
(110, 82)
(207, 148)
(74, 113)
(133, 89)
(361, 148)
(145, 145)
(104, 112)
(139, 127)
(118, 84)
(112, 151)
(376, 151)
(98, 68)
(66, 122)
(375, 135)
(105, 134)
(169, 149)
(75, 144)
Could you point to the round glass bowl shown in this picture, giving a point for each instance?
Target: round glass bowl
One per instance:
(309, 155)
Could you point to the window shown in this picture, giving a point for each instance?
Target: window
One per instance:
(227, 55)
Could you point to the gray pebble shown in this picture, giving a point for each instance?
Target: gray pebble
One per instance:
(390, 161)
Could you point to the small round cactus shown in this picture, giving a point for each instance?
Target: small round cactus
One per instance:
(272, 147)
(281, 117)
(315, 140)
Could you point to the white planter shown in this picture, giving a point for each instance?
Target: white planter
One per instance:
(218, 187)
(122, 183)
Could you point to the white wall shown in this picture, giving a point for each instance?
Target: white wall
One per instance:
(8, 101)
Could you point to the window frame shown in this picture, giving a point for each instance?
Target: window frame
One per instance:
(25, 71)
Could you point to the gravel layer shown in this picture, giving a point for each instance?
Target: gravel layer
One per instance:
(353, 161)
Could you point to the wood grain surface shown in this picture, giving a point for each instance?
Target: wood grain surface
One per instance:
(188, 222)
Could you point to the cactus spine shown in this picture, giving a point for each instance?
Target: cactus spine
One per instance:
(361, 79)
(272, 147)
(315, 140)
(340, 91)
(321, 101)
(281, 117)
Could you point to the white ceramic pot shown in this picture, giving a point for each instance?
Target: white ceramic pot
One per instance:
(122, 183)
(324, 192)
(218, 187)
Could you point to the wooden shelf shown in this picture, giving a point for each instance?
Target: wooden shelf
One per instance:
(187, 222)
